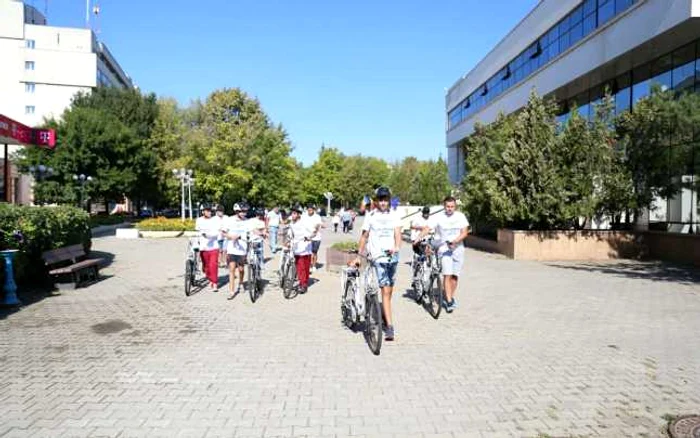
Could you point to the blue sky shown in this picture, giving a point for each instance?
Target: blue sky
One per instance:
(365, 76)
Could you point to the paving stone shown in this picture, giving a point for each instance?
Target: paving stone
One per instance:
(561, 349)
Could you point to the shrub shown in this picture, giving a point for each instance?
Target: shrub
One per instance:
(347, 246)
(164, 224)
(42, 229)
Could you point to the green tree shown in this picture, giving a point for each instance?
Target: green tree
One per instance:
(104, 134)
(324, 175)
(657, 139)
(238, 153)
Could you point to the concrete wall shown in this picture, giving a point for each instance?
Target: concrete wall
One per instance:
(592, 245)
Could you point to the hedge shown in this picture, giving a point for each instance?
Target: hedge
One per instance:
(164, 224)
(41, 229)
(346, 246)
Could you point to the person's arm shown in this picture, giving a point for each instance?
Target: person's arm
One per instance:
(397, 239)
(363, 242)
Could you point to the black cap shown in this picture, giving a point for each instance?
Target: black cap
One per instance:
(297, 208)
(206, 207)
(220, 208)
(426, 210)
(383, 192)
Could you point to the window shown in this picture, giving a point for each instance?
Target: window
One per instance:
(621, 5)
(589, 7)
(29, 65)
(589, 24)
(606, 10)
(30, 44)
(576, 33)
(576, 16)
(661, 72)
(29, 87)
(29, 109)
(684, 67)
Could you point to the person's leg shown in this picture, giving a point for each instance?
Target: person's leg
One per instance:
(303, 264)
(232, 268)
(273, 239)
(386, 273)
(211, 266)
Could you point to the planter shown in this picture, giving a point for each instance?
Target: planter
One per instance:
(569, 245)
(336, 260)
(160, 234)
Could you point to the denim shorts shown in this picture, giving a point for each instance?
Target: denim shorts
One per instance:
(386, 273)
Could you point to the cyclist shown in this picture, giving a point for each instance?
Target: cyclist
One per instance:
(300, 241)
(235, 230)
(209, 229)
(451, 228)
(417, 227)
(381, 234)
(314, 222)
(257, 229)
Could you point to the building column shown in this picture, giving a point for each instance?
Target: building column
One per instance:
(7, 175)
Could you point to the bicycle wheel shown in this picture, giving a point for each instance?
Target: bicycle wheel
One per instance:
(282, 271)
(289, 276)
(345, 310)
(373, 323)
(252, 281)
(189, 277)
(435, 296)
(418, 283)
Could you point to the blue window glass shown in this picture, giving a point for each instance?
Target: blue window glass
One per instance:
(621, 5)
(605, 11)
(564, 42)
(553, 34)
(697, 74)
(583, 111)
(589, 7)
(640, 90)
(576, 33)
(576, 16)
(623, 100)
(589, 24)
(564, 24)
(553, 50)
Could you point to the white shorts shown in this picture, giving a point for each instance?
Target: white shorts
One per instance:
(452, 260)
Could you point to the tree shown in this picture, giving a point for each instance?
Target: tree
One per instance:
(432, 183)
(239, 154)
(103, 134)
(324, 175)
(657, 139)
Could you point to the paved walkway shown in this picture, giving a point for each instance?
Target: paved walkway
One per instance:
(534, 350)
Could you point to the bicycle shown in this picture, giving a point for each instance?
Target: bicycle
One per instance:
(192, 268)
(360, 301)
(428, 273)
(287, 274)
(254, 285)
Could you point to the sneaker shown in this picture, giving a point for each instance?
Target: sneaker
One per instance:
(451, 306)
(389, 333)
(312, 270)
(231, 294)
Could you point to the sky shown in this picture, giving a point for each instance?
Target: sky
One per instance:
(365, 76)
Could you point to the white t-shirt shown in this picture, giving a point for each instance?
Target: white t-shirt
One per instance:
(447, 228)
(208, 232)
(312, 222)
(222, 224)
(298, 232)
(381, 228)
(273, 219)
(239, 227)
(419, 222)
(255, 224)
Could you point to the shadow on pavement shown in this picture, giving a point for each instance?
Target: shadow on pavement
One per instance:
(655, 271)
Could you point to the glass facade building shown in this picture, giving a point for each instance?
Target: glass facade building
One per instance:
(575, 51)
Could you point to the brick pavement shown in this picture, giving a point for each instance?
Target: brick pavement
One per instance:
(534, 350)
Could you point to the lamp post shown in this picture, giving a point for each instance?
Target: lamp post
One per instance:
(40, 173)
(82, 180)
(186, 180)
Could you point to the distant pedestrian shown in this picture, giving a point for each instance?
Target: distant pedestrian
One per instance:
(336, 221)
(273, 224)
(347, 219)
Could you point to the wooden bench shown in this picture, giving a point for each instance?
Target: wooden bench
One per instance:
(70, 263)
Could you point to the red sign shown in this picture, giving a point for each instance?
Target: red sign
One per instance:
(15, 132)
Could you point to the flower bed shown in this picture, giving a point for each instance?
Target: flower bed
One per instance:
(164, 224)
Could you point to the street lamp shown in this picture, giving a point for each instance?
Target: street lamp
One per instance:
(82, 180)
(40, 173)
(186, 180)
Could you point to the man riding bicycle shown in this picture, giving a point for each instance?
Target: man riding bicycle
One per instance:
(381, 234)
